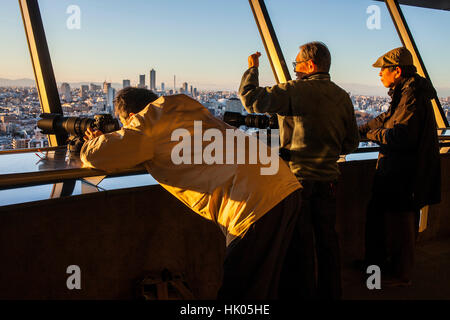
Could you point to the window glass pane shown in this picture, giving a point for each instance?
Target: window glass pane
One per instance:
(19, 101)
(356, 32)
(199, 44)
(429, 28)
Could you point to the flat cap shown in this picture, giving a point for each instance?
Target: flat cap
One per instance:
(396, 57)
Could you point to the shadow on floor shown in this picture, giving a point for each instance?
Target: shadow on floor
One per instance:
(431, 279)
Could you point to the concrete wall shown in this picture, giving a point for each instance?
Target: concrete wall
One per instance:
(353, 196)
(117, 237)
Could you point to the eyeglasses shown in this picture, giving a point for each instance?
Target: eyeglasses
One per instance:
(295, 62)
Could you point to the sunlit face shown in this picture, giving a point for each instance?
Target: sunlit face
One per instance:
(123, 121)
(304, 67)
(389, 78)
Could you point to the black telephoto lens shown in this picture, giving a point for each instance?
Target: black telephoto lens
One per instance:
(260, 121)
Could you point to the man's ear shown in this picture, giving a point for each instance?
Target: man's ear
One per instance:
(399, 72)
(312, 67)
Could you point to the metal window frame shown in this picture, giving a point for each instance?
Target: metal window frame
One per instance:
(270, 41)
(278, 64)
(408, 42)
(42, 64)
(48, 91)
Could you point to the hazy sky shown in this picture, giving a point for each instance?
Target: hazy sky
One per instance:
(206, 42)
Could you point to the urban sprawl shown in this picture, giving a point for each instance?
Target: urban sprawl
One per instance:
(20, 108)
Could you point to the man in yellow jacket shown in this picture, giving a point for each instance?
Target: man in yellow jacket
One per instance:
(193, 155)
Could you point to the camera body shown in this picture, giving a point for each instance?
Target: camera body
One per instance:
(75, 127)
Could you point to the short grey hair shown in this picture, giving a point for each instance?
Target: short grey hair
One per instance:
(317, 52)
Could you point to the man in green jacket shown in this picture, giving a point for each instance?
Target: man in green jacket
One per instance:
(408, 173)
(317, 125)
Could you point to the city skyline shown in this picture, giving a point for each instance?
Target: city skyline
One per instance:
(211, 52)
(20, 109)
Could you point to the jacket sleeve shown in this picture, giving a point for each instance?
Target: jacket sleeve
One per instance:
(351, 140)
(405, 133)
(117, 150)
(372, 124)
(256, 99)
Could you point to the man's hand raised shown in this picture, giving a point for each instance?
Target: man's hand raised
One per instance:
(253, 60)
(89, 134)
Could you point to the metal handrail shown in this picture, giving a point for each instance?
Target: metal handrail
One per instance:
(359, 150)
(32, 150)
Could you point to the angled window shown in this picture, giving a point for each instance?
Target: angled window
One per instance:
(430, 29)
(199, 48)
(19, 100)
(356, 32)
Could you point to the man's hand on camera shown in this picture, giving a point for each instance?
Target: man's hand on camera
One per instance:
(253, 60)
(89, 134)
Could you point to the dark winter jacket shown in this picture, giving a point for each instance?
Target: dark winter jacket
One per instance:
(409, 161)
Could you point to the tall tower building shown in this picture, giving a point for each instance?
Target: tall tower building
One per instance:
(83, 91)
(191, 91)
(106, 86)
(142, 81)
(110, 100)
(65, 91)
(174, 84)
(185, 87)
(126, 83)
(152, 79)
(162, 86)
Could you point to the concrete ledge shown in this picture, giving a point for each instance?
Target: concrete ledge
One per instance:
(117, 237)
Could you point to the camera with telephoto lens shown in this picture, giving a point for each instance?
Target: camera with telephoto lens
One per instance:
(259, 121)
(75, 127)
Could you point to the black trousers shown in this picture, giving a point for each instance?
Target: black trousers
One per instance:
(316, 236)
(392, 227)
(254, 263)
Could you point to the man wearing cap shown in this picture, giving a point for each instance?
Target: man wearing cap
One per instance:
(407, 175)
(317, 125)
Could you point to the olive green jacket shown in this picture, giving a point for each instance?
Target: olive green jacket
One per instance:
(316, 118)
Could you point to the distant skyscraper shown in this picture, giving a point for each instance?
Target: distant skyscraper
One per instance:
(162, 86)
(65, 91)
(126, 83)
(152, 79)
(110, 100)
(191, 91)
(94, 87)
(185, 87)
(142, 81)
(106, 86)
(195, 92)
(84, 91)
